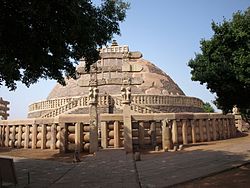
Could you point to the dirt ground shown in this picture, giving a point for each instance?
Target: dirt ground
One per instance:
(237, 177)
(40, 154)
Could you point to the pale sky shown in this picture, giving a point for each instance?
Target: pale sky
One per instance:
(167, 32)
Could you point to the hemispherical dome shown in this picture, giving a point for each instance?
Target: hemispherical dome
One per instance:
(153, 80)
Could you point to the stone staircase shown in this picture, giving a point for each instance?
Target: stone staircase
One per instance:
(67, 108)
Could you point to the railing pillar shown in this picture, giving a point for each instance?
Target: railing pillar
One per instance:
(26, 139)
(7, 136)
(128, 145)
(43, 138)
(193, 131)
(175, 132)
(208, 130)
(166, 136)
(63, 138)
(141, 134)
(53, 136)
(184, 131)
(78, 137)
(201, 130)
(104, 134)
(34, 136)
(153, 133)
(19, 136)
(116, 134)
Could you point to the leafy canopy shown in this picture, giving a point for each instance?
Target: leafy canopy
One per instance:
(45, 39)
(224, 63)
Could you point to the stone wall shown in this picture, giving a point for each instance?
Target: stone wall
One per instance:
(70, 132)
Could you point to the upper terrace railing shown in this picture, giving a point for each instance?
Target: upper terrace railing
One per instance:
(170, 100)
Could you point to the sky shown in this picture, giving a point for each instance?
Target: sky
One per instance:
(167, 32)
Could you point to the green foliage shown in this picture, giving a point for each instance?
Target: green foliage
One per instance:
(45, 39)
(208, 108)
(224, 63)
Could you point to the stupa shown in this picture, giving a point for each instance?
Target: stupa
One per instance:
(152, 90)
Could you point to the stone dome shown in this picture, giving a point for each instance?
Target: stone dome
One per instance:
(154, 80)
(152, 90)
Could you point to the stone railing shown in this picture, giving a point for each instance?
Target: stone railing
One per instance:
(140, 103)
(50, 104)
(134, 106)
(70, 132)
(115, 49)
(4, 109)
(167, 100)
(60, 106)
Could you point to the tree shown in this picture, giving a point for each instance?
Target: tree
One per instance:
(208, 108)
(45, 39)
(224, 63)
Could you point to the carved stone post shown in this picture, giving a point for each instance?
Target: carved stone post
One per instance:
(126, 95)
(104, 134)
(34, 136)
(116, 134)
(63, 138)
(166, 136)
(93, 122)
(175, 132)
(193, 129)
(43, 139)
(26, 139)
(184, 131)
(141, 134)
(78, 137)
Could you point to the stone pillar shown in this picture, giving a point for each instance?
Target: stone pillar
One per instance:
(34, 136)
(193, 129)
(201, 130)
(43, 139)
(53, 136)
(63, 138)
(128, 144)
(1, 136)
(141, 135)
(126, 100)
(78, 137)
(104, 134)
(184, 131)
(93, 134)
(19, 137)
(26, 139)
(116, 134)
(208, 130)
(153, 133)
(7, 136)
(167, 143)
(13, 136)
(214, 129)
(175, 132)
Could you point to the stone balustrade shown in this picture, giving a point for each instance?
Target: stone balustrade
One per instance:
(70, 132)
(140, 104)
(167, 100)
(120, 49)
(50, 104)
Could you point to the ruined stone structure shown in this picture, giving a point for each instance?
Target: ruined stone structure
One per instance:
(124, 102)
(4, 109)
(152, 90)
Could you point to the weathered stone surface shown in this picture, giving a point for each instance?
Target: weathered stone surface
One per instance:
(155, 81)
